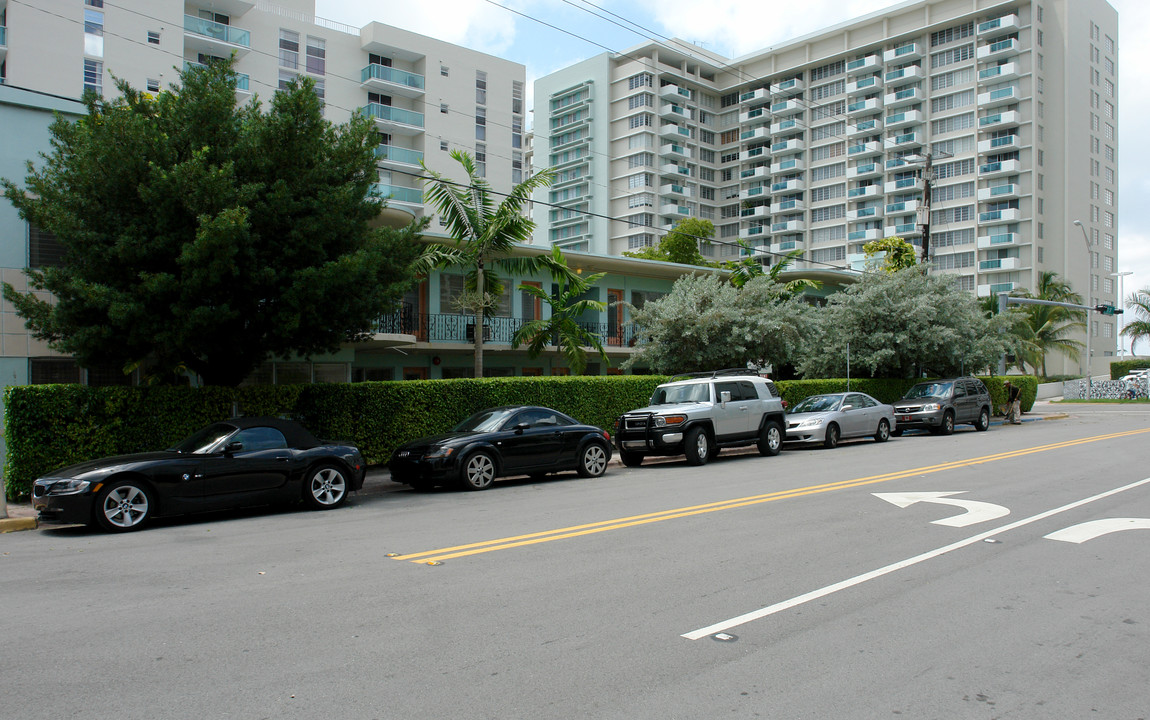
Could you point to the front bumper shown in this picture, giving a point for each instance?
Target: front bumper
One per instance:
(930, 419)
(419, 469)
(815, 434)
(65, 509)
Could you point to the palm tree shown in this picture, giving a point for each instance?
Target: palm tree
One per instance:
(1140, 328)
(483, 232)
(563, 328)
(1051, 326)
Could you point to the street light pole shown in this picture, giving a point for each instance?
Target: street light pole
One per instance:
(1122, 306)
(1089, 379)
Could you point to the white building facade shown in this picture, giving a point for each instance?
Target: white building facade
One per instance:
(820, 144)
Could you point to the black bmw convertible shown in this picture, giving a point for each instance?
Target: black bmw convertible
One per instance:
(235, 463)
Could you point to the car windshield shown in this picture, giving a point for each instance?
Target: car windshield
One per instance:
(817, 403)
(928, 390)
(483, 421)
(672, 394)
(202, 441)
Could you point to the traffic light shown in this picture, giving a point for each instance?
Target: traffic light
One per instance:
(1107, 309)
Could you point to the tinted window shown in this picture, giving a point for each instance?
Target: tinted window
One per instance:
(670, 394)
(817, 403)
(960, 389)
(731, 387)
(204, 440)
(748, 390)
(483, 421)
(537, 418)
(928, 390)
(260, 438)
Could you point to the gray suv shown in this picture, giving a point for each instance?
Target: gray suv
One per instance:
(698, 416)
(939, 405)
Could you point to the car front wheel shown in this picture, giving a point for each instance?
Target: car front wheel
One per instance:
(478, 472)
(697, 446)
(947, 426)
(770, 440)
(983, 421)
(883, 432)
(831, 439)
(592, 461)
(326, 488)
(123, 506)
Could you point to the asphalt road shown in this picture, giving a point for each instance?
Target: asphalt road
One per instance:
(752, 587)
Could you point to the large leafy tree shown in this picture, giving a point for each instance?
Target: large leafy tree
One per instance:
(897, 253)
(563, 328)
(206, 236)
(484, 233)
(681, 244)
(1049, 328)
(899, 325)
(1139, 328)
(705, 323)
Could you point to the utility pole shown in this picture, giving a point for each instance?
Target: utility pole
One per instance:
(927, 176)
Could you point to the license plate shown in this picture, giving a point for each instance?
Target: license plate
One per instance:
(904, 418)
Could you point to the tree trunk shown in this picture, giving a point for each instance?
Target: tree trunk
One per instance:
(479, 313)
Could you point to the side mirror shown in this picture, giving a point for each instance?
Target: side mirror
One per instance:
(234, 447)
(521, 427)
(725, 397)
(848, 407)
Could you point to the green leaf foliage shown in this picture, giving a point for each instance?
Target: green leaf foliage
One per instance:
(209, 236)
(1122, 368)
(681, 244)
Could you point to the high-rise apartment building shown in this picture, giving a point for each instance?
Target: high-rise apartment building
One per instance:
(821, 144)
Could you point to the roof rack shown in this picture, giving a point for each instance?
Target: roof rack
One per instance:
(716, 373)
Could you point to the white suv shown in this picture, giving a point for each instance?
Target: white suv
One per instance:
(698, 416)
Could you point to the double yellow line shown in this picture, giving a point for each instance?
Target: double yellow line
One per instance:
(458, 551)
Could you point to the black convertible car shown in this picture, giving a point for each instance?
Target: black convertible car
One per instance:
(235, 463)
(499, 442)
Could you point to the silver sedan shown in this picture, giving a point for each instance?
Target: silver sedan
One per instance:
(832, 417)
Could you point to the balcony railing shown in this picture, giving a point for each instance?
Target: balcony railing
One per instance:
(399, 194)
(391, 75)
(242, 80)
(406, 156)
(445, 328)
(387, 113)
(218, 31)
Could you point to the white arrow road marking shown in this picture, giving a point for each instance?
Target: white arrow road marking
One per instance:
(726, 625)
(976, 511)
(1096, 528)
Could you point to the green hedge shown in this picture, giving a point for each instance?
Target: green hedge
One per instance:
(1121, 368)
(49, 426)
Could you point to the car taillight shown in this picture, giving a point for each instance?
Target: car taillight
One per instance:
(607, 436)
(786, 404)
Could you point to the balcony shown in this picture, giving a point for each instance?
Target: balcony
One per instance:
(792, 205)
(864, 171)
(909, 96)
(988, 290)
(788, 226)
(761, 171)
(998, 144)
(675, 150)
(782, 126)
(216, 39)
(390, 155)
(750, 115)
(866, 213)
(757, 192)
(786, 246)
(1004, 24)
(865, 127)
(758, 211)
(1001, 96)
(906, 140)
(675, 169)
(901, 229)
(3, 42)
(754, 232)
(751, 153)
(863, 85)
(898, 208)
(865, 235)
(863, 65)
(396, 194)
(670, 208)
(910, 72)
(999, 240)
(787, 146)
(787, 87)
(675, 190)
(788, 165)
(1005, 71)
(671, 111)
(999, 264)
(674, 92)
(863, 150)
(754, 96)
(998, 50)
(786, 107)
(909, 184)
(998, 217)
(671, 131)
(864, 191)
(997, 169)
(391, 81)
(998, 192)
(1007, 119)
(863, 107)
(759, 133)
(896, 163)
(393, 120)
(787, 186)
(903, 53)
(902, 119)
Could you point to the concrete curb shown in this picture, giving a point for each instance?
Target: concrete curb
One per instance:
(8, 525)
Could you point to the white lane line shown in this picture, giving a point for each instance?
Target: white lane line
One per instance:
(1098, 528)
(859, 579)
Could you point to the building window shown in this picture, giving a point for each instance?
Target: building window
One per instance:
(94, 76)
(289, 49)
(643, 80)
(480, 160)
(480, 123)
(444, 71)
(516, 97)
(44, 250)
(153, 37)
(516, 132)
(49, 371)
(443, 145)
(153, 85)
(480, 87)
(316, 55)
(94, 33)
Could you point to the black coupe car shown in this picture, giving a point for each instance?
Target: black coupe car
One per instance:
(502, 441)
(235, 463)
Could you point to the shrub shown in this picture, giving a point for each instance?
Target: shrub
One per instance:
(1121, 368)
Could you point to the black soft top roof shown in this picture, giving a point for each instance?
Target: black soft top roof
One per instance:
(295, 434)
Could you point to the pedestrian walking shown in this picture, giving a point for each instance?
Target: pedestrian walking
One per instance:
(1013, 404)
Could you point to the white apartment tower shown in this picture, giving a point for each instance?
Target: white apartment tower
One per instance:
(427, 96)
(820, 144)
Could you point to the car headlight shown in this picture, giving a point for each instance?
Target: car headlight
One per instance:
(72, 486)
(665, 420)
(931, 407)
(441, 452)
(811, 422)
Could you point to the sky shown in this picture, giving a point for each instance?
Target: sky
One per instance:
(546, 35)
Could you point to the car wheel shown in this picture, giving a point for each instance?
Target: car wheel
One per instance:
(770, 440)
(478, 472)
(883, 432)
(947, 424)
(592, 461)
(697, 446)
(325, 488)
(983, 421)
(631, 459)
(831, 438)
(123, 506)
